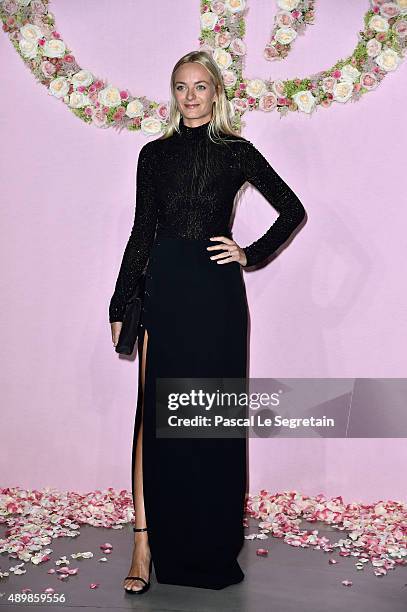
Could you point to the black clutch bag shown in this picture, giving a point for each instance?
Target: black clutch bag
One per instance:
(131, 319)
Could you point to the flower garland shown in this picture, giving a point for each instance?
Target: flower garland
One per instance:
(381, 47)
(290, 21)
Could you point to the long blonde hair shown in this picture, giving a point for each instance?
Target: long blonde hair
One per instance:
(221, 118)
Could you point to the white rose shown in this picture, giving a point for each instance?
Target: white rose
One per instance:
(150, 125)
(373, 47)
(285, 35)
(28, 48)
(288, 5)
(256, 88)
(78, 99)
(59, 87)
(342, 91)
(388, 60)
(222, 58)
(349, 73)
(54, 48)
(380, 24)
(208, 20)
(304, 100)
(83, 77)
(134, 109)
(109, 96)
(235, 6)
(31, 32)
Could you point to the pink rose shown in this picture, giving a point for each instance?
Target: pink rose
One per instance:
(336, 74)
(270, 52)
(268, 102)
(37, 7)
(218, 8)
(284, 18)
(369, 80)
(89, 111)
(124, 95)
(118, 116)
(162, 111)
(223, 39)
(10, 6)
(93, 96)
(237, 46)
(328, 83)
(389, 10)
(99, 117)
(401, 28)
(229, 78)
(47, 69)
(240, 104)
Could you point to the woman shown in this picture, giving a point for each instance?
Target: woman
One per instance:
(194, 325)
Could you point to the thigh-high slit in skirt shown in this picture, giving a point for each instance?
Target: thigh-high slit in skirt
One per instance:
(195, 313)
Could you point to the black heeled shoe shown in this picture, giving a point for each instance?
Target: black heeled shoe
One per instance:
(146, 584)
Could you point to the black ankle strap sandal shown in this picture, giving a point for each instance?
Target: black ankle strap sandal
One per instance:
(146, 584)
(141, 529)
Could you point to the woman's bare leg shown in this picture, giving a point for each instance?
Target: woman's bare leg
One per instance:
(141, 551)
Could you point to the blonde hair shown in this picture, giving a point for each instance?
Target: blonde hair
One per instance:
(221, 118)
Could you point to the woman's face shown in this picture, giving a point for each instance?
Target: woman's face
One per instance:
(194, 93)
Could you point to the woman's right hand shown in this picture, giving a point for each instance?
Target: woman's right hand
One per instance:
(116, 327)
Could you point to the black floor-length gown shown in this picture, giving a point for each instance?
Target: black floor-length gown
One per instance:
(195, 312)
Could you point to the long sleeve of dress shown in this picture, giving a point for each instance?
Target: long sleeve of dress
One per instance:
(258, 172)
(139, 244)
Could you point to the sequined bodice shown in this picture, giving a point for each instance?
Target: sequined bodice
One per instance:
(186, 187)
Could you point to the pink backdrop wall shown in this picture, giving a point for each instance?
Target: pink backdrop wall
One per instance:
(331, 305)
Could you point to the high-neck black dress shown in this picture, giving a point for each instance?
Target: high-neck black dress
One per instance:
(195, 312)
